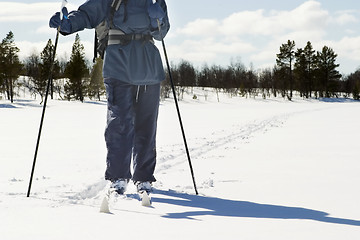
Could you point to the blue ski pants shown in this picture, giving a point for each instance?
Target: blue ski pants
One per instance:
(130, 132)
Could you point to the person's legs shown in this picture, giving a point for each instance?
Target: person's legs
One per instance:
(119, 133)
(146, 114)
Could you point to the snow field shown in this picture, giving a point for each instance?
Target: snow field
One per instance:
(265, 169)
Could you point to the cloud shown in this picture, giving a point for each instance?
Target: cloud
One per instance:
(308, 16)
(44, 29)
(24, 12)
(348, 47)
(346, 17)
(29, 12)
(63, 50)
(200, 27)
(208, 49)
(239, 33)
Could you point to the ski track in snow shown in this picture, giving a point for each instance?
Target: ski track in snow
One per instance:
(230, 138)
(234, 136)
(237, 135)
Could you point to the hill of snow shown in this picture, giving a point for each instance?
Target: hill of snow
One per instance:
(265, 169)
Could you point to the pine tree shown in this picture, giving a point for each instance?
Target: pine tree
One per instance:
(2, 68)
(10, 64)
(300, 72)
(328, 75)
(77, 72)
(48, 62)
(96, 87)
(38, 70)
(285, 60)
(310, 58)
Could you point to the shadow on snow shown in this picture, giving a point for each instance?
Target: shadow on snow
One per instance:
(19, 103)
(231, 208)
(337, 100)
(7, 106)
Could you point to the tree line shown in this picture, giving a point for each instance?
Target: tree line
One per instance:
(72, 79)
(306, 71)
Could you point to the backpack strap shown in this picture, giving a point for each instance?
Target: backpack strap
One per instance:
(115, 5)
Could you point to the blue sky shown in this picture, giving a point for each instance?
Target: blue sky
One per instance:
(214, 32)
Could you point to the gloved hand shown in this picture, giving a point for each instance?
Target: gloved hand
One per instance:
(65, 25)
(155, 13)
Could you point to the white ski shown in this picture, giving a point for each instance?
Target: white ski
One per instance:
(104, 208)
(105, 204)
(110, 195)
(145, 199)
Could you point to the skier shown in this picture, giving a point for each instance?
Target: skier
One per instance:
(132, 74)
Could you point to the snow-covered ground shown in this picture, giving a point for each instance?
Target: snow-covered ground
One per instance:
(265, 169)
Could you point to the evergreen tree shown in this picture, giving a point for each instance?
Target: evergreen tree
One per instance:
(328, 75)
(310, 58)
(77, 72)
(96, 87)
(285, 60)
(38, 70)
(10, 64)
(49, 62)
(2, 66)
(304, 69)
(300, 72)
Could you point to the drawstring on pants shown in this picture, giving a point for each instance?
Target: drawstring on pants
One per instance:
(138, 92)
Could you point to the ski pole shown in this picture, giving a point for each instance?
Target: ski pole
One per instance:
(178, 111)
(64, 2)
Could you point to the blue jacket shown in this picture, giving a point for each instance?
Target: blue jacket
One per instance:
(138, 62)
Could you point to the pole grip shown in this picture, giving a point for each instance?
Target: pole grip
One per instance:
(63, 4)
